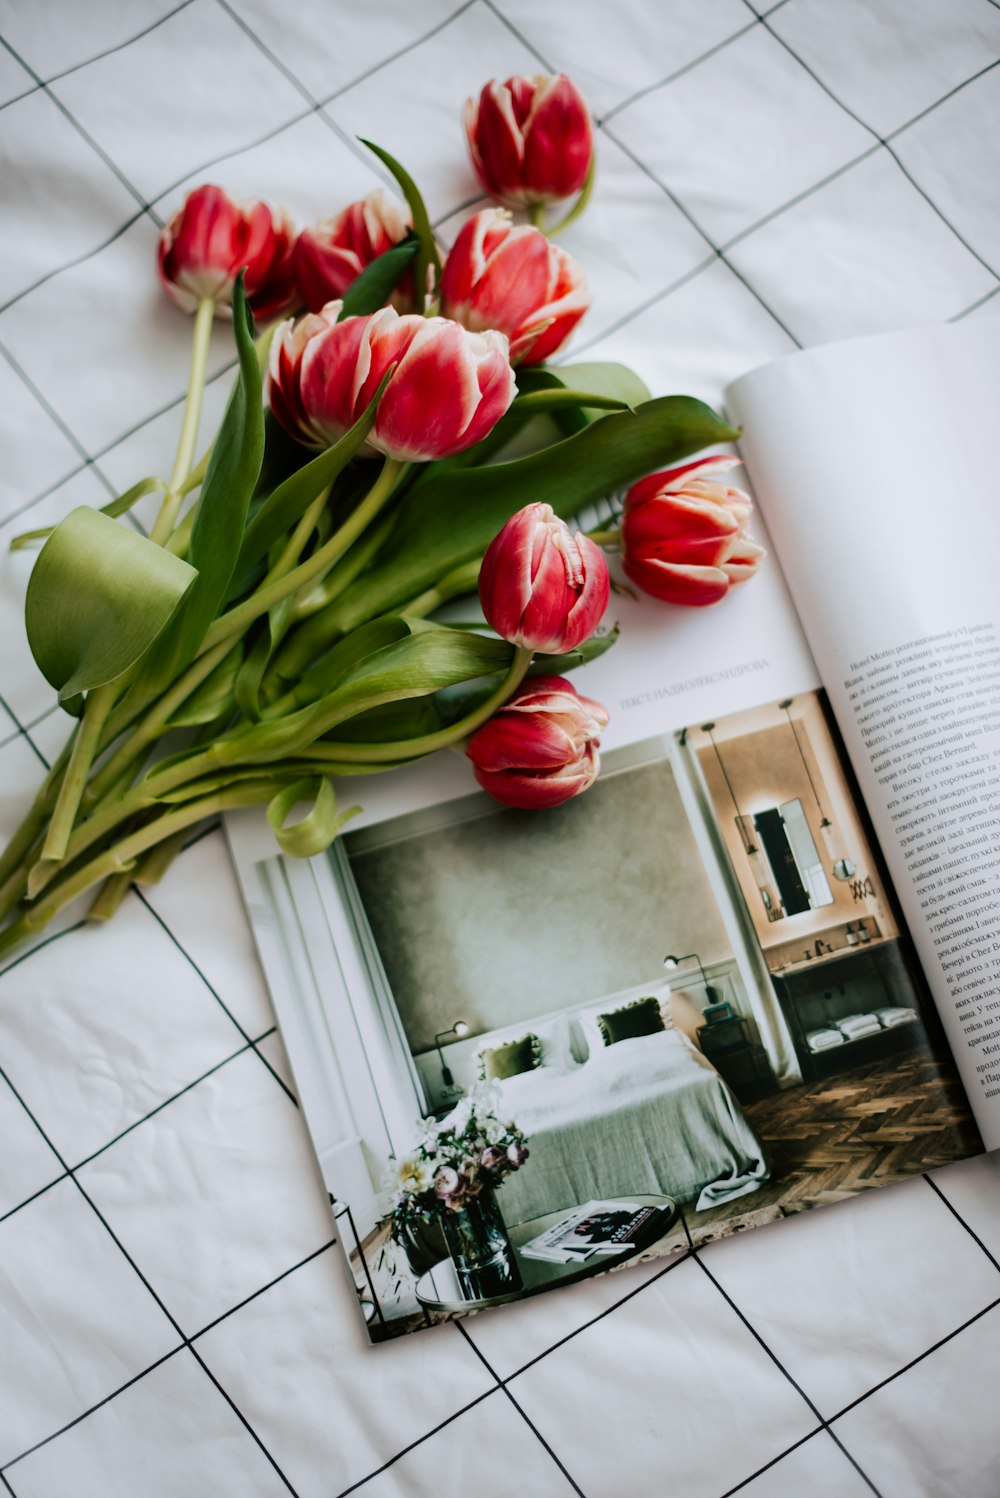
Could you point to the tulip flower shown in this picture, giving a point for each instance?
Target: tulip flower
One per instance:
(683, 535)
(540, 749)
(328, 256)
(530, 139)
(212, 238)
(541, 586)
(448, 389)
(514, 279)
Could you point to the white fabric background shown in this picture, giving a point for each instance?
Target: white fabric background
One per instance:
(173, 1318)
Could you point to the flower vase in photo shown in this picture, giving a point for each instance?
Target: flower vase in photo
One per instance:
(480, 1249)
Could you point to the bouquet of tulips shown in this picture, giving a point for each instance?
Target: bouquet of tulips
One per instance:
(275, 631)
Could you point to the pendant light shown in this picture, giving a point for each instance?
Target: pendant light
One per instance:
(842, 867)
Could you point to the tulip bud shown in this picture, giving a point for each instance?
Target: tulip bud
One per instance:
(328, 256)
(540, 748)
(212, 238)
(541, 586)
(448, 389)
(683, 534)
(530, 139)
(514, 279)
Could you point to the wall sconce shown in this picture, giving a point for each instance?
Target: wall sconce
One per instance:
(672, 962)
(459, 1028)
(842, 867)
(758, 864)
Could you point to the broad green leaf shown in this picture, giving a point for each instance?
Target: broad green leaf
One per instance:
(219, 527)
(616, 381)
(98, 598)
(290, 500)
(392, 723)
(416, 666)
(114, 508)
(373, 287)
(427, 254)
(317, 829)
(453, 516)
(331, 668)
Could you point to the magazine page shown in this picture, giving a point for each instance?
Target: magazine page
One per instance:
(901, 606)
(664, 1009)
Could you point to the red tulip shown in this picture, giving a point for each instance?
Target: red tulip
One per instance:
(449, 387)
(541, 586)
(683, 534)
(514, 279)
(329, 255)
(530, 139)
(540, 748)
(212, 238)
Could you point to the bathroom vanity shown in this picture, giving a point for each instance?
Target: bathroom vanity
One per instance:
(820, 990)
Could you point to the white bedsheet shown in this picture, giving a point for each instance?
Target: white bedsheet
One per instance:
(647, 1115)
(175, 1324)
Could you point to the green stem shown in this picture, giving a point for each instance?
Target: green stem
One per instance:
(300, 535)
(273, 590)
(174, 496)
(154, 723)
(536, 215)
(456, 584)
(604, 537)
(95, 713)
(580, 204)
(116, 860)
(428, 743)
(32, 826)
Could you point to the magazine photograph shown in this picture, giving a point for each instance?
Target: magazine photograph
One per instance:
(685, 1006)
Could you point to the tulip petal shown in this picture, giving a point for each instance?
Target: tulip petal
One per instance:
(684, 584)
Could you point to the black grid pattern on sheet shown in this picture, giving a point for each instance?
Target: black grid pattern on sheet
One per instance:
(825, 1428)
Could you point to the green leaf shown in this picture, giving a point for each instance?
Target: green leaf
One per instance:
(561, 400)
(590, 650)
(114, 508)
(606, 378)
(331, 668)
(290, 500)
(427, 255)
(417, 666)
(373, 287)
(216, 693)
(318, 828)
(98, 598)
(453, 515)
(392, 722)
(218, 531)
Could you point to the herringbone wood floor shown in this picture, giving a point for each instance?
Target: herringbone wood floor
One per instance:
(864, 1127)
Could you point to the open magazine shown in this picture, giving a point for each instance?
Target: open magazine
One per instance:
(756, 969)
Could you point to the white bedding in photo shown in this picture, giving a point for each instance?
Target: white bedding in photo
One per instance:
(647, 1115)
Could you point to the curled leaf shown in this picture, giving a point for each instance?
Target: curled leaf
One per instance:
(317, 829)
(99, 597)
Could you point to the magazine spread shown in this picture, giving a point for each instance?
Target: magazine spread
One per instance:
(754, 969)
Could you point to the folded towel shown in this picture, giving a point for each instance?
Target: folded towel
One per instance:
(822, 1040)
(851, 1024)
(889, 1017)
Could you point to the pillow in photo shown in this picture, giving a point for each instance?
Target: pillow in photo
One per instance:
(590, 1030)
(509, 1059)
(641, 1017)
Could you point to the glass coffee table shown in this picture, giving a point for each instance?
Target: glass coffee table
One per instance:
(438, 1290)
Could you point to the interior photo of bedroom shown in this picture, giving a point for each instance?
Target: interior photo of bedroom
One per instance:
(682, 1005)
